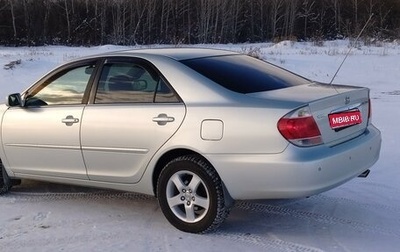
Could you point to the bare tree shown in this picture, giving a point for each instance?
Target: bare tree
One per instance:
(356, 4)
(205, 11)
(307, 11)
(191, 21)
(137, 15)
(13, 18)
(290, 18)
(336, 7)
(275, 15)
(67, 19)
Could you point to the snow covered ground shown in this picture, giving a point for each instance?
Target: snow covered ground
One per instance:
(362, 215)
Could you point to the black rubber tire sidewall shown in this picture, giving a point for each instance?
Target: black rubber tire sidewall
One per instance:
(216, 212)
(5, 181)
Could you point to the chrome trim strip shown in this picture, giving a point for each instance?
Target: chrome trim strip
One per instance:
(122, 150)
(44, 146)
(347, 108)
(102, 149)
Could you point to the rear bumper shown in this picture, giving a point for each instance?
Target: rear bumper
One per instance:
(297, 172)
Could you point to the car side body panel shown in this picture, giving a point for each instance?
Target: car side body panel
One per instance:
(118, 141)
(121, 145)
(297, 172)
(53, 151)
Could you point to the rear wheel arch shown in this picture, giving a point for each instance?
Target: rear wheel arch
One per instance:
(191, 194)
(171, 155)
(164, 160)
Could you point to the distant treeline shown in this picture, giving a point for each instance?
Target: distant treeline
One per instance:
(127, 22)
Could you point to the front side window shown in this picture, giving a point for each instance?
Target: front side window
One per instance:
(64, 88)
(128, 82)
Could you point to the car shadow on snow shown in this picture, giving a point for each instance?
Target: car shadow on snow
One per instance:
(33, 186)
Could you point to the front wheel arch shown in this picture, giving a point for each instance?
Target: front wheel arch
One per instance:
(5, 181)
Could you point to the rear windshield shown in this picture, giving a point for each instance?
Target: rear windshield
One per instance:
(244, 74)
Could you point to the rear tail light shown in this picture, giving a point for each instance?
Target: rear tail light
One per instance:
(300, 128)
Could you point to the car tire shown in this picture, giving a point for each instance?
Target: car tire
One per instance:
(5, 181)
(191, 195)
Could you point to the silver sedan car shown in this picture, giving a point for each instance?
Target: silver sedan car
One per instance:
(197, 128)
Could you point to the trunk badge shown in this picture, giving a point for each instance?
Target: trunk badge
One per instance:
(347, 100)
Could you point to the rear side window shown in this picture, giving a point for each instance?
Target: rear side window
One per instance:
(244, 74)
(128, 82)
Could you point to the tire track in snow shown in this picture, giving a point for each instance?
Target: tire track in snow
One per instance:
(51, 196)
(266, 242)
(322, 218)
(357, 203)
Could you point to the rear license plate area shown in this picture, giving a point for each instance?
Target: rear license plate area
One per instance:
(344, 119)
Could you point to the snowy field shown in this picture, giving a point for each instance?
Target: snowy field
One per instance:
(362, 215)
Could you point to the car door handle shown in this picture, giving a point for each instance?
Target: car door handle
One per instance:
(163, 119)
(70, 120)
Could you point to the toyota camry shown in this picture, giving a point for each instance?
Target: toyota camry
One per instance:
(196, 128)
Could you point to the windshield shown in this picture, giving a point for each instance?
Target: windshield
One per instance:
(244, 74)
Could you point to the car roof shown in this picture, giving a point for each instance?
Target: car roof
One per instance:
(175, 53)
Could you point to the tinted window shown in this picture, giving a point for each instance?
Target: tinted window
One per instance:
(244, 74)
(65, 88)
(164, 93)
(128, 82)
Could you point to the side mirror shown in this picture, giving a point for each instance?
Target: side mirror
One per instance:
(14, 100)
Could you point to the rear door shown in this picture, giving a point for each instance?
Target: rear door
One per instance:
(133, 113)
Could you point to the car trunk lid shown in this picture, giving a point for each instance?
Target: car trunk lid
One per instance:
(341, 112)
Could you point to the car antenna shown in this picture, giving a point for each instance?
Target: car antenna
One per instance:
(351, 47)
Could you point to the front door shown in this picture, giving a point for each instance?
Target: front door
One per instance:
(53, 113)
